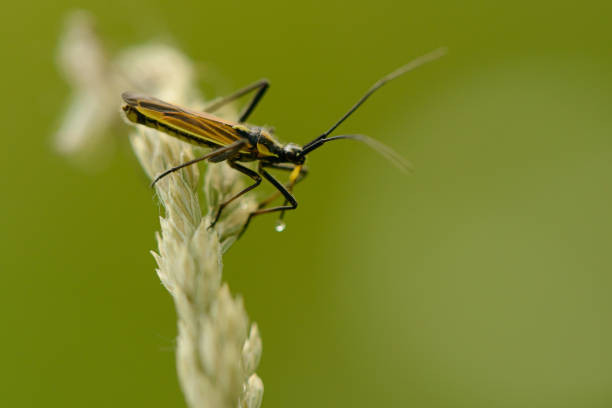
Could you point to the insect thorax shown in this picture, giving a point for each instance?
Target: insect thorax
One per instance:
(263, 143)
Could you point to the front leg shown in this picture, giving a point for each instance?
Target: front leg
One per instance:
(303, 172)
(288, 198)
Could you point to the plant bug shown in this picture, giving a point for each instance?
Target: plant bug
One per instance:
(236, 142)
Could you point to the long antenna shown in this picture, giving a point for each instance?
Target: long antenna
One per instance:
(400, 71)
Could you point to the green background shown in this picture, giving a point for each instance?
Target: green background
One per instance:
(483, 279)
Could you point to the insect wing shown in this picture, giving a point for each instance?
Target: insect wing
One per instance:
(208, 128)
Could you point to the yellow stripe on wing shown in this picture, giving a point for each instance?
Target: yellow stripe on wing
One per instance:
(203, 127)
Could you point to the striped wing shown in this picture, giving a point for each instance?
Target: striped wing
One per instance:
(204, 129)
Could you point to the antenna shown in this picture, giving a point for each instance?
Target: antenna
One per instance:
(433, 55)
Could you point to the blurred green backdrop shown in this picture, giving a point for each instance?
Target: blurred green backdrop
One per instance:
(481, 280)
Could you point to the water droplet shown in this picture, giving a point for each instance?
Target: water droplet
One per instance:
(280, 226)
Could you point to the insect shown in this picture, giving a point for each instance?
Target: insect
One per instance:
(237, 142)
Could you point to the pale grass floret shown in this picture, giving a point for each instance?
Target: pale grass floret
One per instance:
(217, 350)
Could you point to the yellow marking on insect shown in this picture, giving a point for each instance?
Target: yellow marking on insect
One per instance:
(241, 127)
(295, 173)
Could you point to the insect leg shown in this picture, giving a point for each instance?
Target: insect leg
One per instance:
(225, 151)
(288, 197)
(285, 167)
(261, 86)
(243, 170)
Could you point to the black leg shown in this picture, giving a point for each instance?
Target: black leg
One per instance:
(285, 167)
(261, 86)
(243, 170)
(293, 178)
(288, 197)
(225, 151)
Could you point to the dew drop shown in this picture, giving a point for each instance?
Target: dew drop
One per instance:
(280, 226)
